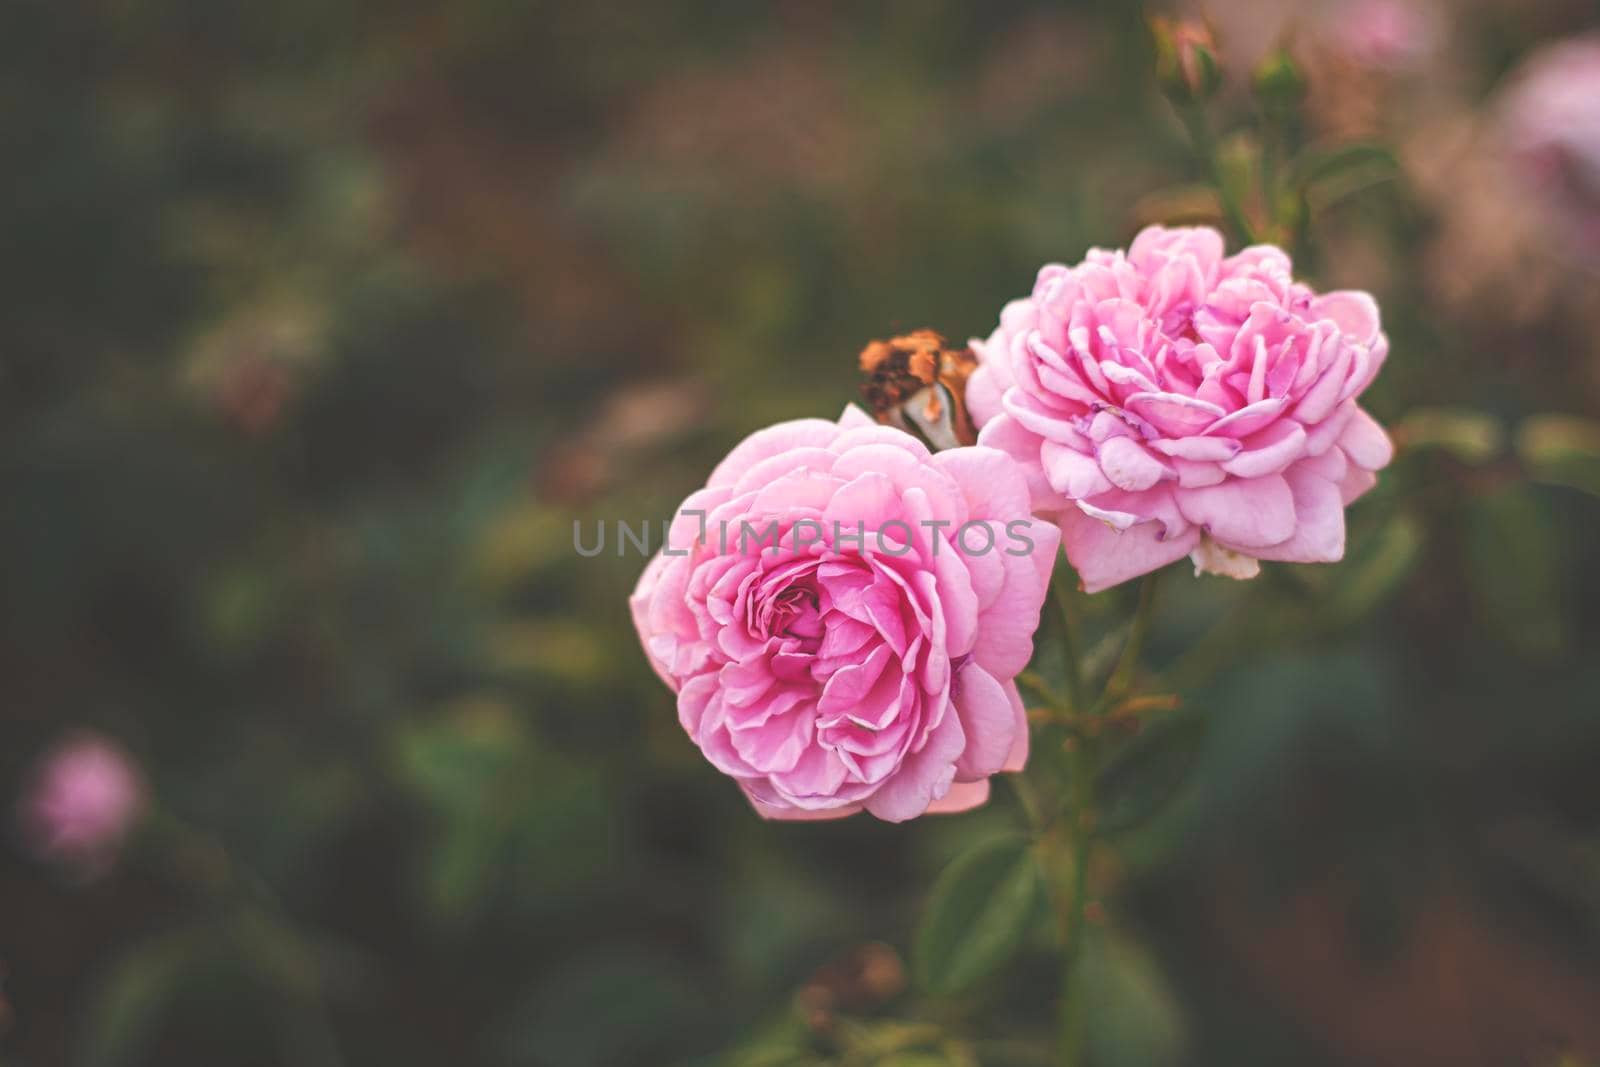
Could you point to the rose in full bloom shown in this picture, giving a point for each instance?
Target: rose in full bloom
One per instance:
(1550, 125)
(842, 614)
(1170, 401)
(85, 798)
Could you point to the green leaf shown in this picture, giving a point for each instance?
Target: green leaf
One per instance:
(1148, 772)
(1134, 1017)
(1469, 436)
(648, 999)
(128, 1004)
(1561, 450)
(1375, 569)
(1327, 177)
(979, 909)
(1340, 161)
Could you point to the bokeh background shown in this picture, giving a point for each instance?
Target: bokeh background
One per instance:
(325, 321)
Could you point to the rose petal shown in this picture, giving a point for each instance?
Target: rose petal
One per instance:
(1355, 313)
(923, 777)
(772, 441)
(987, 720)
(785, 813)
(963, 796)
(1247, 513)
(1365, 442)
(1129, 466)
(1269, 451)
(1319, 520)
(1072, 474)
(1104, 557)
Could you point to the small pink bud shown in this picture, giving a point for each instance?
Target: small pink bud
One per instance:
(1186, 59)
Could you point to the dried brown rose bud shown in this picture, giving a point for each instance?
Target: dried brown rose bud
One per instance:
(910, 379)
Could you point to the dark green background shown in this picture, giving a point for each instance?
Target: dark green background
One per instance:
(323, 321)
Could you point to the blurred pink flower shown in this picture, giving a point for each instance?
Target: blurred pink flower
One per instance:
(85, 797)
(856, 649)
(1549, 116)
(1168, 401)
(1384, 34)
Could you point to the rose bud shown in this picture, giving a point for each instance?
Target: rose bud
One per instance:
(1186, 59)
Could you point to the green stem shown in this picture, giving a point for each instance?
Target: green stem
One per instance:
(1062, 596)
(1205, 146)
(1066, 845)
(1073, 893)
(1033, 808)
(1121, 680)
(1271, 146)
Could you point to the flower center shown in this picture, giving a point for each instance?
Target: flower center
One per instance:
(793, 613)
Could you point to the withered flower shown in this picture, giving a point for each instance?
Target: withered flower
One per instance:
(916, 382)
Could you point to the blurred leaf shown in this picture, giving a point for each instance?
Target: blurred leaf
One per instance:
(513, 821)
(1318, 164)
(1515, 555)
(603, 1008)
(1375, 568)
(1134, 1018)
(785, 1042)
(1470, 436)
(878, 1038)
(779, 910)
(977, 913)
(1149, 771)
(564, 649)
(1183, 205)
(1562, 450)
(240, 607)
(127, 1004)
(919, 1059)
(452, 759)
(514, 545)
(1328, 176)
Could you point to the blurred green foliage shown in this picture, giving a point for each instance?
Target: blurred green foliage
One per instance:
(324, 322)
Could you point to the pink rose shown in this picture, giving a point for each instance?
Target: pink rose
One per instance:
(1170, 401)
(842, 615)
(85, 798)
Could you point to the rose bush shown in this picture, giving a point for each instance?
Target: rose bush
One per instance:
(1171, 401)
(842, 614)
